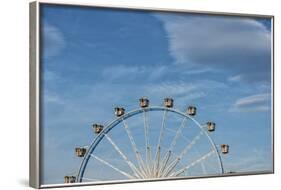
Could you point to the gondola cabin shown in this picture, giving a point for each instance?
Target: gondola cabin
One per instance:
(97, 128)
(144, 102)
(191, 110)
(168, 102)
(119, 111)
(69, 179)
(211, 126)
(224, 148)
(80, 152)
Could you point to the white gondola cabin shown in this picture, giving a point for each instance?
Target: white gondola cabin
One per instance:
(224, 148)
(119, 111)
(168, 102)
(69, 179)
(144, 102)
(97, 128)
(80, 152)
(191, 110)
(211, 126)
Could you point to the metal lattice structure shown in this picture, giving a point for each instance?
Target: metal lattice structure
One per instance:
(149, 164)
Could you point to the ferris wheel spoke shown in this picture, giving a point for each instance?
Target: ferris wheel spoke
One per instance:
(171, 147)
(147, 144)
(165, 162)
(203, 168)
(140, 161)
(173, 143)
(210, 166)
(146, 138)
(177, 173)
(149, 162)
(158, 151)
(157, 161)
(203, 165)
(137, 173)
(191, 144)
(183, 152)
(170, 167)
(111, 166)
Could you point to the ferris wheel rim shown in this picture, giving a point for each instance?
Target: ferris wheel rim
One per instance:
(132, 113)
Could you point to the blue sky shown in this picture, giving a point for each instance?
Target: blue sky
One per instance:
(94, 59)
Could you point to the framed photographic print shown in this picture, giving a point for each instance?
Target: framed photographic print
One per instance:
(132, 94)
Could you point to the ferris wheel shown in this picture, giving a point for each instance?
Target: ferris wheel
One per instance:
(150, 142)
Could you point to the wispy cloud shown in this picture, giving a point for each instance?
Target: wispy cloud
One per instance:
(237, 45)
(250, 100)
(257, 102)
(153, 72)
(256, 159)
(53, 99)
(52, 41)
(235, 78)
(176, 90)
(50, 76)
(123, 71)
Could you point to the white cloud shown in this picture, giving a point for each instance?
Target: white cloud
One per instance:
(256, 159)
(204, 70)
(184, 88)
(171, 89)
(122, 71)
(50, 76)
(249, 100)
(235, 78)
(257, 102)
(239, 45)
(152, 72)
(52, 40)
